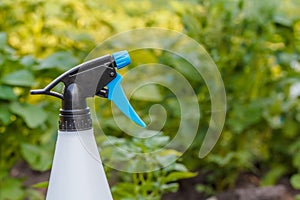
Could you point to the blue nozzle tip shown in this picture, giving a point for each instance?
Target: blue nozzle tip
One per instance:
(122, 59)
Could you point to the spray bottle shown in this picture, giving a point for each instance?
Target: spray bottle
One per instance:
(77, 172)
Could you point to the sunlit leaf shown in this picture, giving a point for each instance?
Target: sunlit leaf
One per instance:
(180, 167)
(41, 184)
(11, 189)
(173, 176)
(7, 93)
(3, 39)
(157, 141)
(62, 60)
(273, 175)
(19, 78)
(38, 157)
(123, 189)
(32, 115)
(5, 114)
(167, 156)
(171, 187)
(28, 61)
(295, 181)
(148, 93)
(33, 194)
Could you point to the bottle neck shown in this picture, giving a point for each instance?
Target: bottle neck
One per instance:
(74, 114)
(75, 120)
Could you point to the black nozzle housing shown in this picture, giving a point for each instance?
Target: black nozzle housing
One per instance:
(85, 80)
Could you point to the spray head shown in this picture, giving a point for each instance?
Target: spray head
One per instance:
(97, 77)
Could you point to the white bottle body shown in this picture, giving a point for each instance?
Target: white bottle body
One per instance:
(77, 172)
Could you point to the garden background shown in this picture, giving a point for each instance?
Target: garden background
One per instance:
(255, 44)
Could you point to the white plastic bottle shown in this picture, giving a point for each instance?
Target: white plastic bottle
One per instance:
(77, 172)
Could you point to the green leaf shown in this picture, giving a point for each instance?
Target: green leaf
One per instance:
(32, 194)
(62, 60)
(28, 61)
(295, 181)
(5, 114)
(296, 161)
(171, 187)
(174, 176)
(175, 167)
(3, 39)
(180, 167)
(222, 160)
(167, 156)
(84, 37)
(32, 115)
(37, 157)
(157, 141)
(123, 190)
(19, 78)
(283, 20)
(7, 93)
(297, 197)
(273, 175)
(41, 184)
(148, 93)
(11, 189)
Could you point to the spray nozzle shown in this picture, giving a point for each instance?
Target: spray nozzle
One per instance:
(95, 77)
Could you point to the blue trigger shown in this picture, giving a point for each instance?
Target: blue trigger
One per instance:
(117, 95)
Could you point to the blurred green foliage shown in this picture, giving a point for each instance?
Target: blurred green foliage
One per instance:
(153, 184)
(255, 44)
